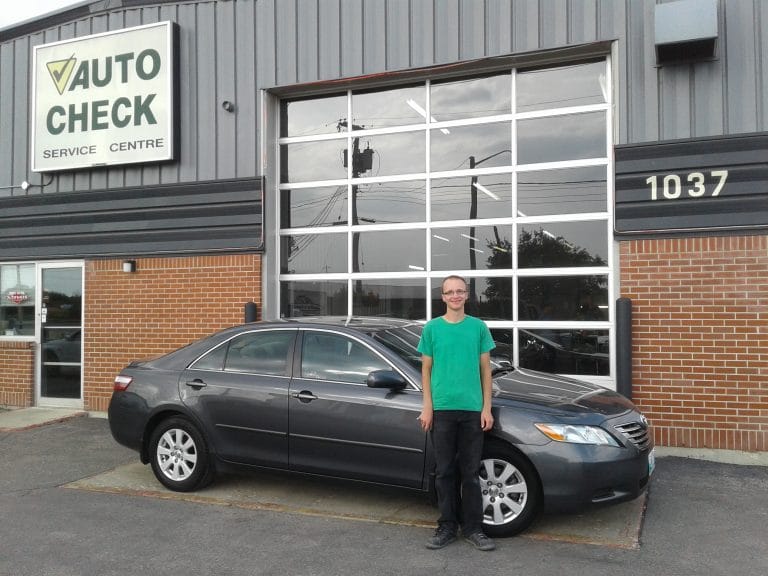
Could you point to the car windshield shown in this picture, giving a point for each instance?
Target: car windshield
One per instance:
(403, 341)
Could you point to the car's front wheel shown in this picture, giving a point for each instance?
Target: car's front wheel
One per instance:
(510, 488)
(179, 455)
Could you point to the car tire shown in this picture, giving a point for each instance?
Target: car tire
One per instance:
(511, 491)
(179, 456)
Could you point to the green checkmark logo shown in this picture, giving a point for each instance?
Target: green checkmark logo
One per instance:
(60, 71)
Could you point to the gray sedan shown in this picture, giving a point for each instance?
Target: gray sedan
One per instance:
(341, 398)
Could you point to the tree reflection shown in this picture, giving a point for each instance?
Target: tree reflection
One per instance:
(574, 296)
(541, 249)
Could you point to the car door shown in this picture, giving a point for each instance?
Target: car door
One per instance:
(341, 427)
(239, 390)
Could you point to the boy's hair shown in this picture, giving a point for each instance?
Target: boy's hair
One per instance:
(452, 277)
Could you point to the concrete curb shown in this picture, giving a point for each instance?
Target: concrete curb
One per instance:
(721, 456)
(27, 418)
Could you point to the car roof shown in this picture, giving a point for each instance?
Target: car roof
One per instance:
(362, 323)
(366, 325)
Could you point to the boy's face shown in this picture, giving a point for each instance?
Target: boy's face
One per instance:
(454, 294)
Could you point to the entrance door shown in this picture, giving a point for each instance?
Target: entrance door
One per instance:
(60, 331)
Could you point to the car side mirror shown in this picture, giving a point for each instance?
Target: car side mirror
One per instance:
(386, 379)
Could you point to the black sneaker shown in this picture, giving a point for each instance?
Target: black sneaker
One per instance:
(442, 537)
(481, 541)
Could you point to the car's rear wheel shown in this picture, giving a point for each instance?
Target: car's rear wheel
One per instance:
(510, 488)
(179, 455)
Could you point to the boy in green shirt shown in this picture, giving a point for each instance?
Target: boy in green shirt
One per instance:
(457, 386)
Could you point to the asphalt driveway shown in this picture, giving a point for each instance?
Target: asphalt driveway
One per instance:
(702, 518)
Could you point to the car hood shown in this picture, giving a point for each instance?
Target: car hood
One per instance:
(559, 392)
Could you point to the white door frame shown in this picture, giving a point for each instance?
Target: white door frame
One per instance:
(39, 399)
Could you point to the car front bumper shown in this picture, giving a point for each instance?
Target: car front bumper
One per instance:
(579, 476)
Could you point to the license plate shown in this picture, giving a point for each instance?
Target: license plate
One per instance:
(651, 461)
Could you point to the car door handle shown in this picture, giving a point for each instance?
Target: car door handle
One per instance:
(196, 384)
(304, 396)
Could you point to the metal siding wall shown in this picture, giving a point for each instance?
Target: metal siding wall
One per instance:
(612, 24)
(20, 133)
(398, 30)
(525, 18)
(707, 114)
(374, 37)
(352, 48)
(761, 24)
(675, 84)
(246, 115)
(498, 14)
(553, 13)
(472, 30)
(205, 89)
(186, 109)
(422, 39)
(642, 82)
(329, 39)
(285, 42)
(446, 30)
(226, 80)
(9, 172)
(739, 51)
(583, 21)
(230, 50)
(264, 27)
(306, 40)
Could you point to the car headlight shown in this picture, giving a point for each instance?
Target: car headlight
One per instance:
(577, 434)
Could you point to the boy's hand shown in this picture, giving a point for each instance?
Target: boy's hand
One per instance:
(486, 420)
(425, 419)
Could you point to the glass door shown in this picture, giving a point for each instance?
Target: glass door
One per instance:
(60, 321)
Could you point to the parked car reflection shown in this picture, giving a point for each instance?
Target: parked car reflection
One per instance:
(581, 352)
(65, 347)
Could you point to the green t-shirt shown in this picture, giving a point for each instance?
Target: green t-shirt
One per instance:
(455, 350)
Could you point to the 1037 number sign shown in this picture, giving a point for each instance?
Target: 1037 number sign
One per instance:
(695, 185)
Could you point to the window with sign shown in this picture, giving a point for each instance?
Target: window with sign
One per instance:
(17, 304)
(502, 178)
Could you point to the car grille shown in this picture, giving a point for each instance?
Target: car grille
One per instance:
(635, 432)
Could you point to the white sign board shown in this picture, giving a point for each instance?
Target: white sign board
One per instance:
(104, 99)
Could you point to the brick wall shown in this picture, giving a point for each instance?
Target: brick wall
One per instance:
(17, 373)
(165, 304)
(700, 338)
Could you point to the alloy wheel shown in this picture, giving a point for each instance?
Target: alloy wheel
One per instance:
(504, 490)
(176, 454)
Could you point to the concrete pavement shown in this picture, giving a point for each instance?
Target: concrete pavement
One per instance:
(701, 518)
(25, 418)
(617, 526)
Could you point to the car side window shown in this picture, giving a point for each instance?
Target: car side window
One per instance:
(263, 352)
(327, 356)
(213, 360)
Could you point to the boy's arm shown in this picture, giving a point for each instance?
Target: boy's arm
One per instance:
(425, 418)
(486, 380)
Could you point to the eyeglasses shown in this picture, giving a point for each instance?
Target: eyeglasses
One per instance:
(455, 293)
